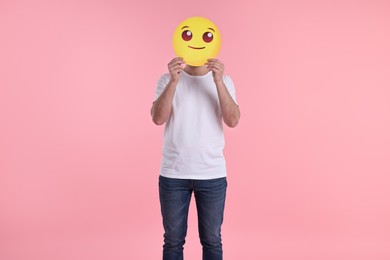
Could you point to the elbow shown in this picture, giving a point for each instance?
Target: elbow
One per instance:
(232, 122)
(158, 120)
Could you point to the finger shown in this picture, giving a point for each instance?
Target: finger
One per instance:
(213, 69)
(214, 61)
(177, 58)
(177, 70)
(178, 65)
(216, 66)
(211, 61)
(172, 65)
(175, 65)
(176, 61)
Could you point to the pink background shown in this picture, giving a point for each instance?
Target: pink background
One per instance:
(308, 165)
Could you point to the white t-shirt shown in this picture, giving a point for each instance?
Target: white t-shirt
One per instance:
(193, 137)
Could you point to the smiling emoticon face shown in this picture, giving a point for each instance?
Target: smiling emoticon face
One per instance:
(196, 39)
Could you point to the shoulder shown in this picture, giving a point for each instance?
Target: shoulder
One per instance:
(227, 79)
(164, 77)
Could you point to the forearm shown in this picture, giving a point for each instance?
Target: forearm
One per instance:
(162, 107)
(229, 108)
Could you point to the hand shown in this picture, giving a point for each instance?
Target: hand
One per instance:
(217, 68)
(175, 67)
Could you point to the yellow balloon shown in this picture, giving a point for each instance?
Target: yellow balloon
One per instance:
(196, 39)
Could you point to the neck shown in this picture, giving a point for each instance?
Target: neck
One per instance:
(196, 70)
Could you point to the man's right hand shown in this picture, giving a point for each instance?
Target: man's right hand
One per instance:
(175, 67)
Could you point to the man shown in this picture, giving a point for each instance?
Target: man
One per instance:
(193, 101)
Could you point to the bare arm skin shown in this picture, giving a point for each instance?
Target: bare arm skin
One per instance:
(161, 108)
(230, 110)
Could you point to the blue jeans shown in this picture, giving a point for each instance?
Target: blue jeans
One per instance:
(175, 196)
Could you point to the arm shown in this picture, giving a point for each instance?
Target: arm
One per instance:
(230, 111)
(161, 108)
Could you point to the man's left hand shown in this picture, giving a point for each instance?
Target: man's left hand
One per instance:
(217, 68)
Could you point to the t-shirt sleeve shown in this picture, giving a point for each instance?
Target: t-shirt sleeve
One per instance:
(230, 87)
(161, 84)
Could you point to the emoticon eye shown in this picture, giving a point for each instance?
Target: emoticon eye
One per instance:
(186, 35)
(208, 37)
